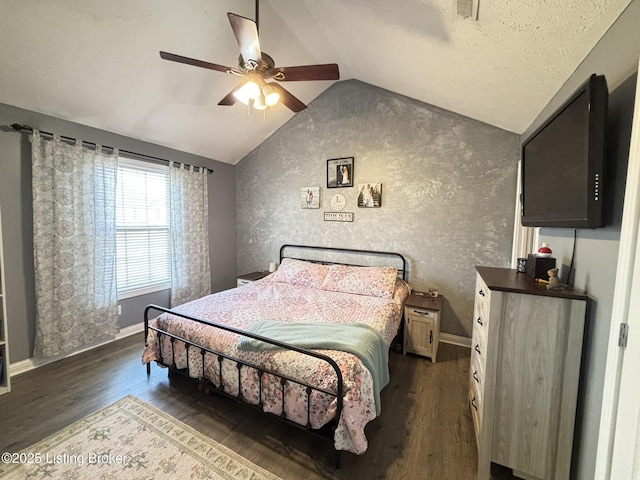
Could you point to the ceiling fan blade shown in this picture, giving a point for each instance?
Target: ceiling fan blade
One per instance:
(246, 33)
(287, 99)
(230, 99)
(192, 61)
(327, 71)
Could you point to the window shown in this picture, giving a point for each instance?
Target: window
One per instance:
(142, 228)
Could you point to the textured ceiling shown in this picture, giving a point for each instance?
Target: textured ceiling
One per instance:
(97, 63)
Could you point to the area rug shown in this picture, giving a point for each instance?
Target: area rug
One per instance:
(129, 440)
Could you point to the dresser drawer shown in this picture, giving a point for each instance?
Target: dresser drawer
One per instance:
(476, 372)
(414, 313)
(476, 412)
(479, 351)
(479, 341)
(477, 399)
(482, 298)
(479, 334)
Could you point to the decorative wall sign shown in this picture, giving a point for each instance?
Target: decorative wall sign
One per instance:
(338, 201)
(369, 194)
(340, 172)
(310, 197)
(338, 216)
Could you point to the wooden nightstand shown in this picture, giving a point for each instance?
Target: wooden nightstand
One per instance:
(250, 277)
(422, 325)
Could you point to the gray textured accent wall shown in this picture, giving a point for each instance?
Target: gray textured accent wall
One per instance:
(448, 189)
(17, 224)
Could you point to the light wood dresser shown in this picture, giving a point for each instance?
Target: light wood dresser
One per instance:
(524, 374)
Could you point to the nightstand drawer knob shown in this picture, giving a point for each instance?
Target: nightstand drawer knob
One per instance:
(421, 312)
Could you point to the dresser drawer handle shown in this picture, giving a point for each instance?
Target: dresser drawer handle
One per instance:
(481, 292)
(473, 403)
(477, 349)
(479, 320)
(475, 377)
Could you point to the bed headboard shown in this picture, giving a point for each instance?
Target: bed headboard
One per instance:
(346, 256)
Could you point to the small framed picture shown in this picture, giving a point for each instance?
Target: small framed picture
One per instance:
(340, 172)
(369, 195)
(310, 197)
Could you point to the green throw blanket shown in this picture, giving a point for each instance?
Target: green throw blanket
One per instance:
(356, 338)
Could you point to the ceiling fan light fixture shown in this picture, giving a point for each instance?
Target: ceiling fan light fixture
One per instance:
(248, 91)
(271, 95)
(259, 103)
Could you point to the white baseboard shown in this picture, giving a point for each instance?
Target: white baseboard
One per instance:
(35, 362)
(455, 340)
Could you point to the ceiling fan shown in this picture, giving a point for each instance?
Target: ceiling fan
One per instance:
(258, 69)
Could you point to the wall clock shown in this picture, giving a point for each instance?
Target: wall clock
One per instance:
(338, 201)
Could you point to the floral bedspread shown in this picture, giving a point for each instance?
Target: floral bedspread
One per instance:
(271, 300)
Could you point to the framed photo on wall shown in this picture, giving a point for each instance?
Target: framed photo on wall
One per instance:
(340, 172)
(370, 194)
(310, 197)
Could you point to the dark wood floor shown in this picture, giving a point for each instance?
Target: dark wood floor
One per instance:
(425, 430)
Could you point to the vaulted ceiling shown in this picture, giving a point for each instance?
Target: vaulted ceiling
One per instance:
(97, 63)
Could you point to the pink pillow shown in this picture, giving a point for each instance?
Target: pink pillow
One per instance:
(299, 272)
(371, 281)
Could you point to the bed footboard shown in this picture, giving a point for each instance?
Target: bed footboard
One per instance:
(327, 431)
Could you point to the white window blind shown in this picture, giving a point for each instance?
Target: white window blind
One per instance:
(142, 228)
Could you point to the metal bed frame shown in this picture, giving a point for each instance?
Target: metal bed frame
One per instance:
(327, 431)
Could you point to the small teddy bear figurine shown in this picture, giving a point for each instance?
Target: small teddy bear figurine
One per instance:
(554, 281)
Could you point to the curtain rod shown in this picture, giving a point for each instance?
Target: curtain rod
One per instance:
(26, 128)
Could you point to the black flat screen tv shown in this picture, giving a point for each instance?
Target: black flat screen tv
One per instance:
(563, 162)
